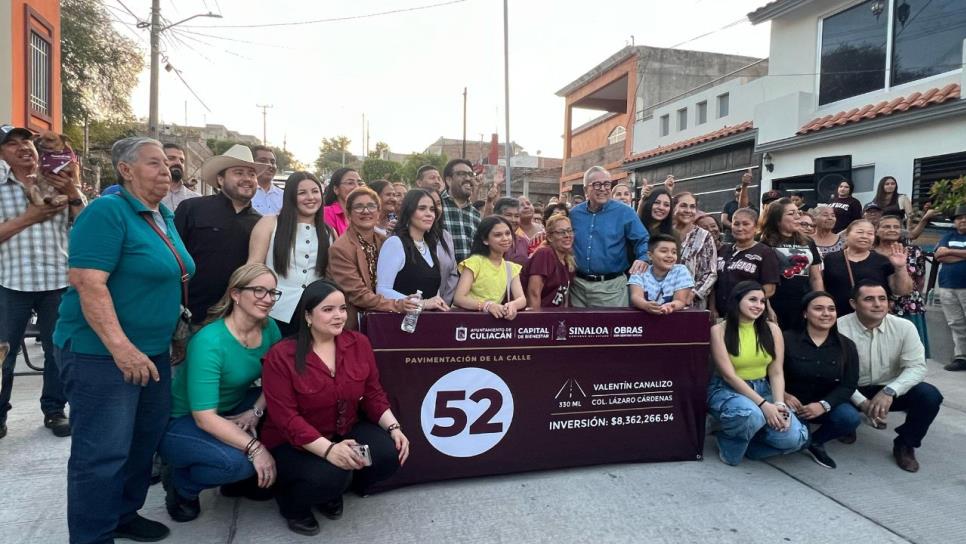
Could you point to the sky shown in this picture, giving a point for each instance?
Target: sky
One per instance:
(406, 71)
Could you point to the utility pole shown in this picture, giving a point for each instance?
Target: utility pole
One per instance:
(156, 30)
(264, 121)
(464, 123)
(155, 60)
(506, 94)
(364, 150)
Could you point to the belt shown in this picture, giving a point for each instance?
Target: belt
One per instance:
(599, 277)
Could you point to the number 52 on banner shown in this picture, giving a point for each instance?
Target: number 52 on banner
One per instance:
(467, 412)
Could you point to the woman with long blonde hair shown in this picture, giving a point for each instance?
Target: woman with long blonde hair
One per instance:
(547, 275)
(215, 407)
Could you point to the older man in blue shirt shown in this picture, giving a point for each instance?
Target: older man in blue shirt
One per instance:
(603, 230)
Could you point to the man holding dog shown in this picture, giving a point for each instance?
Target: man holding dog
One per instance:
(33, 265)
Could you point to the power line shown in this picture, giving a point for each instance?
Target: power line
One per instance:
(334, 19)
(127, 9)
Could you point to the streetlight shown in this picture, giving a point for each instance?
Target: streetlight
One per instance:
(156, 30)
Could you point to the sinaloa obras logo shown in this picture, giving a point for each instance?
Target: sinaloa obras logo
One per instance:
(461, 334)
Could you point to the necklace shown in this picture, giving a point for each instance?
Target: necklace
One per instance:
(420, 245)
(243, 338)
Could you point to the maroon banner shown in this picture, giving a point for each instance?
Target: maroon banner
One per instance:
(477, 396)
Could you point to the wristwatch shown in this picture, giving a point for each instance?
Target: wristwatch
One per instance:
(258, 411)
(889, 391)
(826, 405)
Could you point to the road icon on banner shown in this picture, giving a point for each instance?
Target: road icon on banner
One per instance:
(467, 412)
(571, 395)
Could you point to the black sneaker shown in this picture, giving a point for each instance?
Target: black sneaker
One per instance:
(142, 529)
(332, 509)
(179, 508)
(307, 526)
(58, 424)
(818, 454)
(956, 366)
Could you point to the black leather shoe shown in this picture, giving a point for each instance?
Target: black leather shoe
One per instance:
(306, 526)
(248, 489)
(179, 508)
(58, 424)
(331, 509)
(3, 430)
(142, 529)
(849, 438)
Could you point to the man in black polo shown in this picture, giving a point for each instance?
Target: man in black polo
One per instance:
(216, 229)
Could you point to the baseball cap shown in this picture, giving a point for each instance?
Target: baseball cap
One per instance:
(771, 196)
(871, 206)
(9, 131)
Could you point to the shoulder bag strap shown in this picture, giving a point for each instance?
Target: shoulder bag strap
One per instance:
(177, 256)
(848, 266)
(509, 279)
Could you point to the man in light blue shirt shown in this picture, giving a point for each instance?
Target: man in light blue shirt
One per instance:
(268, 197)
(603, 231)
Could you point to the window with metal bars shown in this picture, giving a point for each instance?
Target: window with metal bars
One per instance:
(40, 74)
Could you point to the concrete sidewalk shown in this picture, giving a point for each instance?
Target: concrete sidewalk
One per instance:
(790, 499)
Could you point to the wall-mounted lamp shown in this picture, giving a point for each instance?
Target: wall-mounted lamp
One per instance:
(769, 165)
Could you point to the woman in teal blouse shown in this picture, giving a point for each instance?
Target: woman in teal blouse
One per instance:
(113, 335)
(211, 438)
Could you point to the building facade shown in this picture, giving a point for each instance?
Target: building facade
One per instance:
(30, 92)
(863, 89)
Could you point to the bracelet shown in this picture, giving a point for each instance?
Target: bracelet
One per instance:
(393, 427)
(252, 455)
(763, 401)
(486, 307)
(331, 445)
(248, 447)
(479, 305)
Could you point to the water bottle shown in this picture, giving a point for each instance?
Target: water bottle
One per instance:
(412, 316)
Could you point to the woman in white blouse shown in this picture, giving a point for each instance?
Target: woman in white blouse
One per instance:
(407, 260)
(294, 244)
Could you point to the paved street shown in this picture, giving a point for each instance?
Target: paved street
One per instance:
(786, 500)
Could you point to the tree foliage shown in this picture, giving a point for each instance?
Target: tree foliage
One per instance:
(380, 152)
(407, 171)
(333, 154)
(284, 160)
(375, 168)
(99, 66)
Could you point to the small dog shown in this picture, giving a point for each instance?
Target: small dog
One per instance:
(55, 156)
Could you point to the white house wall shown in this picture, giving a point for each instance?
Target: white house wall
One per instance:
(891, 152)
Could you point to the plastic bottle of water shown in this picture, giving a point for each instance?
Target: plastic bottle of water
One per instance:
(412, 316)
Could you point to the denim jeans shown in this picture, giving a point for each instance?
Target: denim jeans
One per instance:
(840, 421)
(199, 461)
(744, 431)
(15, 311)
(116, 429)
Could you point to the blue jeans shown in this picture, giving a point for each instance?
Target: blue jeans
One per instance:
(199, 461)
(744, 431)
(116, 429)
(841, 421)
(15, 311)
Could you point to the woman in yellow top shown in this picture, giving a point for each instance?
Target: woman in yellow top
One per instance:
(483, 275)
(746, 395)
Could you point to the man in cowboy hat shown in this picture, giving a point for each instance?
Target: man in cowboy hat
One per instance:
(951, 252)
(215, 229)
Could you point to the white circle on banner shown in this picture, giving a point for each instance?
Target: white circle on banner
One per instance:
(467, 412)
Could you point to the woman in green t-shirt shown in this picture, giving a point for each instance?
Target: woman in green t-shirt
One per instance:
(215, 410)
(483, 275)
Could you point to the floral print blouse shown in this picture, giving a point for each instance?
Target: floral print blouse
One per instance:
(698, 254)
(912, 303)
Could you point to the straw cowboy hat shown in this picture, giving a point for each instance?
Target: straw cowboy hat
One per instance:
(237, 155)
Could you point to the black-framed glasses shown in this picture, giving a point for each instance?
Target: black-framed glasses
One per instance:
(601, 185)
(370, 207)
(260, 292)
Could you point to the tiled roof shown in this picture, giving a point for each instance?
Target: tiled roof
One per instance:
(718, 134)
(899, 104)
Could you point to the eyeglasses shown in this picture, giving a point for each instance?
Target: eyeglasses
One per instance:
(463, 174)
(563, 232)
(260, 292)
(807, 225)
(370, 207)
(601, 185)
